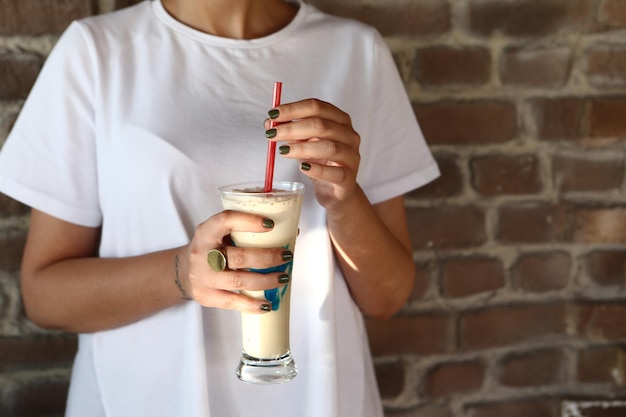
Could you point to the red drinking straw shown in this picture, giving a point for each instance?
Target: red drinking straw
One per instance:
(271, 145)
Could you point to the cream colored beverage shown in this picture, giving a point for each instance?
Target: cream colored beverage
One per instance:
(266, 354)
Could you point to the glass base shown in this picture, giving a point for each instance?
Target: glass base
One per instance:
(266, 371)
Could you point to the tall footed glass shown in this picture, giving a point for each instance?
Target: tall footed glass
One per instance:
(266, 356)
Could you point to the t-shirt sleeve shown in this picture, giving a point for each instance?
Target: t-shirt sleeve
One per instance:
(395, 156)
(49, 159)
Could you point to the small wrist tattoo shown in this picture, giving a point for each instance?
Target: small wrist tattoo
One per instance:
(179, 284)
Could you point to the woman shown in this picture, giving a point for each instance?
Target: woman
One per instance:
(136, 119)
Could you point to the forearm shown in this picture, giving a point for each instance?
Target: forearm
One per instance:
(91, 294)
(376, 261)
(66, 286)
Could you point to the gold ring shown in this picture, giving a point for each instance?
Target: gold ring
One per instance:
(217, 260)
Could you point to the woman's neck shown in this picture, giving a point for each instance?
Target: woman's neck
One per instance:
(237, 19)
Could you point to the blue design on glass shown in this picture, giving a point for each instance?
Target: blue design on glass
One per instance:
(275, 295)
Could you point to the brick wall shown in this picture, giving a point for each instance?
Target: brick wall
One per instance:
(520, 247)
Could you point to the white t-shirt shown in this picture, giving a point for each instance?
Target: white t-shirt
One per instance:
(134, 122)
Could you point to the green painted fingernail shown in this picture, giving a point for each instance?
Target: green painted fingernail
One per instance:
(268, 223)
(287, 256)
(273, 114)
(283, 278)
(284, 150)
(270, 133)
(266, 307)
(305, 166)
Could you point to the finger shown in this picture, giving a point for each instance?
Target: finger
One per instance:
(257, 258)
(242, 280)
(314, 127)
(328, 173)
(245, 222)
(308, 108)
(322, 150)
(234, 301)
(213, 230)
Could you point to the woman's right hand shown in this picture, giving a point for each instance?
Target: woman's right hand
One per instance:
(220, 289)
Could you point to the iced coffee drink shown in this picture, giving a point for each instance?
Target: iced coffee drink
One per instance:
(266, 356)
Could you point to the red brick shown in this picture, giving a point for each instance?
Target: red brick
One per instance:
(606, 118)
(467, 122)
(10, 207)
(7, 121)
(438, 66)
(602, 321)
(390, 379)
(6, 305)
(36, 352)
(472, 275)
(588, 172)
(11, 249)
(528, 17)
(35, 17)
(606, 267)
(428, 411)
(422, 282)
(560, 118)
(519, 408)
(505, 174)
(536, 67)
(537, 272)
(421, 335)
(446, 227)
(601, 365)
(502, 326)
(535, 223)
(613, 13)
(601, 225)
(36, 398)
(606, 66)
(533, 369)
(453, 378)
(449, 184)
(404, 61)
(18, 73)
(601, 408)
(401, 17)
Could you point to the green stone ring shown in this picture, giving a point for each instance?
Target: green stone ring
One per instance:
(217, 260)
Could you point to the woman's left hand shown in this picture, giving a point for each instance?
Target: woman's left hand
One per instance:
(321, 137)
